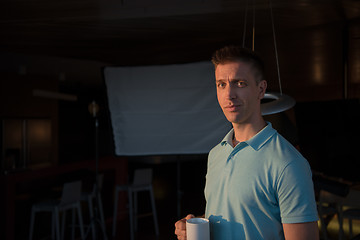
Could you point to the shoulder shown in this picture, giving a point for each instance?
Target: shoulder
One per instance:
(283, 160)
(283, 150)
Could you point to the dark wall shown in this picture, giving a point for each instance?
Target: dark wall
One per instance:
(77, 138)
(329, 136)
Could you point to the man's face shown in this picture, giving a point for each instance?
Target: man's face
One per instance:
(238, 94)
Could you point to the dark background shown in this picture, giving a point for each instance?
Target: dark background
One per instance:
(62, 47)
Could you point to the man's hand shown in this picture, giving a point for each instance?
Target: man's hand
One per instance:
(180, 227)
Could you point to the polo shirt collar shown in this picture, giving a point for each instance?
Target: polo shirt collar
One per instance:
(228, 138)
(257, 141)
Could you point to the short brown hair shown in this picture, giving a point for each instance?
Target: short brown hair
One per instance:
(234, 53)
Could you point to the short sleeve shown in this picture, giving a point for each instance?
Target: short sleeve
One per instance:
(296, 195)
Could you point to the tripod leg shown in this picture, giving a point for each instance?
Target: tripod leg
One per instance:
(130, 195)
(115, 212)
(135, 211)
(102, 219)
(154, 211)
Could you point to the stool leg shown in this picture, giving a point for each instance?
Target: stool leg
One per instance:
(32, 220)
(63, 225)
(340, 219)
(80, 221)
(154, 211)
(350, 228)
(73, 223)
(323, 228)
(91, 211)
(115, 212)
(57, 223)
(53, 224)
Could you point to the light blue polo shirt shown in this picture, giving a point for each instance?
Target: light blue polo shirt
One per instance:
(255, 187)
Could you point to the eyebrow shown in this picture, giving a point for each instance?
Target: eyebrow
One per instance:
(232, 80)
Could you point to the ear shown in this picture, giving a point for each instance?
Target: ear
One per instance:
(262, 88)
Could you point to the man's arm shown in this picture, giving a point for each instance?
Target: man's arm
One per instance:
(301, 231)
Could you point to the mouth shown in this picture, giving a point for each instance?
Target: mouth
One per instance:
(232, 108)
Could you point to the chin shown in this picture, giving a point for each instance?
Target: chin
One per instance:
(234, 120)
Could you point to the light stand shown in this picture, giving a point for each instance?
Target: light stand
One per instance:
(94, 109)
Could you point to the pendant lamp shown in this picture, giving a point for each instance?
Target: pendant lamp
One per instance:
(279, 102)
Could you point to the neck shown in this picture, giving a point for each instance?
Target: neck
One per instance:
(245, 131)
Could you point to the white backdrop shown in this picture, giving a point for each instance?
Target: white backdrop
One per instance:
(169, 109)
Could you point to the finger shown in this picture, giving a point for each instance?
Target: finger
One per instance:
(181, 224)
(181, 234)
(180, 227)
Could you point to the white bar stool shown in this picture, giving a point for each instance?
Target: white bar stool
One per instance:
(70, 200)
(142, 182)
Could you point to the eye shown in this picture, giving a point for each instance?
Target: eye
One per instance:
(221, 84)
(241, 84)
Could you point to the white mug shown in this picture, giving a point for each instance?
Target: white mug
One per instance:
(197, 229)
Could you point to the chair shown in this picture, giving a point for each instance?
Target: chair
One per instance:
(351, 214)
(142, 182)
(70, 200)
(328, 205)
(351, 205)
(89, 197)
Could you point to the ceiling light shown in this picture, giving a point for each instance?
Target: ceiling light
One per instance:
(280, 102)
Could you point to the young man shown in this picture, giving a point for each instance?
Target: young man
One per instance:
(258, 186)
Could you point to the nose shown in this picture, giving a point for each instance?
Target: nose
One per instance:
(230, 92)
